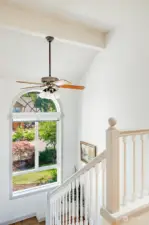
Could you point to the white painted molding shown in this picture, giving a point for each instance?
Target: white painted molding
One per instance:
(40, 219)
(107, 216)
(33, 191)
(38, 24)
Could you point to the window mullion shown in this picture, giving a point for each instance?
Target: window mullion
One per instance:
(36, 146)
(58, 150)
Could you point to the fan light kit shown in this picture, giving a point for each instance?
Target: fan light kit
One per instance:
(47, 95)
(51, 84)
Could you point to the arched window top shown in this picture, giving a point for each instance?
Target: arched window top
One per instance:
(31, 102)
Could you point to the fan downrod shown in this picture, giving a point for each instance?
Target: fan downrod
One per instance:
(49, 39)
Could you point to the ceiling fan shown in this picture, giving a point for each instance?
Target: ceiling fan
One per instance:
(51, 84)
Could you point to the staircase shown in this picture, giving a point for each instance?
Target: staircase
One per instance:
(112, 189)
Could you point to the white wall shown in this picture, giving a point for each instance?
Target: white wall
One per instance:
(117, 83)
(12, 209)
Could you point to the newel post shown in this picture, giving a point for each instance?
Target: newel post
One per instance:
(112, 178)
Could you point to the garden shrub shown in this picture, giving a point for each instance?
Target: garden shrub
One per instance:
(42, 180)
(18, 135)
(47, 157)
(29, 134)
(53, 175)
(23, 134)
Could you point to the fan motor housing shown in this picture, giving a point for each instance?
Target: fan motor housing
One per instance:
(48, 79)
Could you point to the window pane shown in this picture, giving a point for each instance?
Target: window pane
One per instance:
(34, 179)
(23, 145)
(47, 143)
(31, 102)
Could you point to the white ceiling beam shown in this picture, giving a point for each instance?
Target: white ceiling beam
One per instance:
(38, 24)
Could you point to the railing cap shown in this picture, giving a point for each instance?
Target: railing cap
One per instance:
(112, 121)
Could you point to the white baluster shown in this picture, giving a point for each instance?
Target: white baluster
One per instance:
(81, 199)
(94, 186)
(103, 183)
(57, 210)
(91, 197)
(97, 200)
(73, 202)
(125, 178)
(48, 211)
(66, 207)
(57, 219)
(70, 204)
(134, 166)
(60, 210)
(63, 209)
(52, 212)
(86, 198)
(77, 202)
(142, 165)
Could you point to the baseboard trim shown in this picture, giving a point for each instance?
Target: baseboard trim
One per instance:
(42, 219)
(18, 219)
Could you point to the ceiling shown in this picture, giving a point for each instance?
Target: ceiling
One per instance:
(25, 57)
(96, 13)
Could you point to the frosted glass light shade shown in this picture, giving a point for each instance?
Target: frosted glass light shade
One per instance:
(48, 95)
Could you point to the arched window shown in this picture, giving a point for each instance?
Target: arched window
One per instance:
(36, 144)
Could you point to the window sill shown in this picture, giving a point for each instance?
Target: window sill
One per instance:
(33, 191)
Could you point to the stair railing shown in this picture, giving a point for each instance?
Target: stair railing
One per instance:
(134, 152)
(127, 167)
(116, 177)
(79, 199)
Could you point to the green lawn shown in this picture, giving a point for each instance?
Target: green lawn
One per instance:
(35, 177)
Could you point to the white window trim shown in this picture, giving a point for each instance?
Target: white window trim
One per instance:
(54, 116)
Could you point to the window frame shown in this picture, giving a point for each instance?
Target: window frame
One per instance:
(39, 116)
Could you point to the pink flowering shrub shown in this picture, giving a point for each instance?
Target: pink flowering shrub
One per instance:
(23, 155)
(22, 149)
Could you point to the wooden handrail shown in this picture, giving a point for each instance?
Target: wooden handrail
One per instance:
(98, 159)
(133, 132)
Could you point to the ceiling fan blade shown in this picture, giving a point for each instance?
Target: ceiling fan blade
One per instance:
(61, 82)
(26, 82)
(76, 87)
(33, 87)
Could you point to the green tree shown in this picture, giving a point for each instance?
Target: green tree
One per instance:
(45, 105)
(47, 132)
